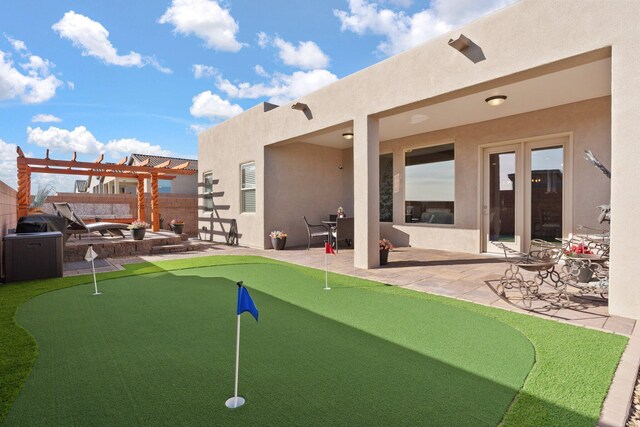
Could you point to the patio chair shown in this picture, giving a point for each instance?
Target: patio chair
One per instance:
(343, 231)
(78, 226)
(540, 261)
(321, 231)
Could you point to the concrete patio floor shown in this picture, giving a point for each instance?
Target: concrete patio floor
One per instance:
(456, 275)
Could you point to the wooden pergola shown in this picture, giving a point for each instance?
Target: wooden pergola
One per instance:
(28, 165)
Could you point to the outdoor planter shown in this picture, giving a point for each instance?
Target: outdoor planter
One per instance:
(278, 243)
(177, 228)
(138, 233)
(384, 256)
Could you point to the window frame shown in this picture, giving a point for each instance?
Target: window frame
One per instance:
(244, 190)
(207, 194)
(404, 186)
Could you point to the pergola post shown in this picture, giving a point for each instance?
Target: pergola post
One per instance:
(141, 213)
(155, 205)
(23, 187)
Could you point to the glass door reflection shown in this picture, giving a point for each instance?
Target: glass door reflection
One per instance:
(502, 197)
(546, 192)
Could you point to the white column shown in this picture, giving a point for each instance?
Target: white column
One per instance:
(366, 192)
(624, 292)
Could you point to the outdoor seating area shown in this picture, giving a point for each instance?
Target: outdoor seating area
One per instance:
(78, 227)
(572, 269)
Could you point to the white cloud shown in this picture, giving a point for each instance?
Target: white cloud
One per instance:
(197, 128)
(79, 139)
(210, 105)
(263, 39)
(93, 38)
(403, 31)
(36, 85)
(18, 45)
(83, 141)
(150, 60)
(260, 71)
(71, 85)
(200, 71)
(281, 88)
(205, 19)
(45, 118)
(123, 147)
(307, 56)
(9, 172)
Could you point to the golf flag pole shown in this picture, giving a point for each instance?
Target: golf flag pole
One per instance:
(245, 303)
(327, 250)
(90, 256)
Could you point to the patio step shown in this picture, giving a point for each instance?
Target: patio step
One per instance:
(163, 249)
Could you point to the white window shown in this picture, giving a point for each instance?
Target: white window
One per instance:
(207, 179)
(248, 187)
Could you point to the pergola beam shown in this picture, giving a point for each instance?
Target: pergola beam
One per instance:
(82, 172)
(106, 166)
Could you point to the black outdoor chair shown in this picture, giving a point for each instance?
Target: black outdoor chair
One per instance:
(316, 231)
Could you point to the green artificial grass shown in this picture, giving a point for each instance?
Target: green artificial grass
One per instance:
(362, 352)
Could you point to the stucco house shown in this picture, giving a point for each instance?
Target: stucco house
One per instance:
(183, 184)
(475, 136)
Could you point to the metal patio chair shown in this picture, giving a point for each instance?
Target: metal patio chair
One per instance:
(315, 231)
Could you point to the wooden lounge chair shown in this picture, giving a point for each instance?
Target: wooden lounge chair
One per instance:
(78, 226)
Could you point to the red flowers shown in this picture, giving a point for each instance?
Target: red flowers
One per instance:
(580, 248)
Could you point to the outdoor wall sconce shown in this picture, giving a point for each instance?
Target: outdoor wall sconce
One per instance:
(494, 101)
(301, 106)
(347, 135)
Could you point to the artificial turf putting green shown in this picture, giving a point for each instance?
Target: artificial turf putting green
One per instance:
(362, 352)
(159, 349)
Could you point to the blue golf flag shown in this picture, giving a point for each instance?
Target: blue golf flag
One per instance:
(245, 303)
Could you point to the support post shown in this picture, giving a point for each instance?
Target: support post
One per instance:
(155, 205)
(140, 193)
(23, 188)
(366, 190)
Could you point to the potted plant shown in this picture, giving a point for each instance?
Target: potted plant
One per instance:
(37, 203)
(177, 225)
(341, 212)
(138, 229)
(385, 247)
(576, 254)
(278, 239)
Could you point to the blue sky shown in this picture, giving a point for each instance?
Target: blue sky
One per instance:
(118, 77)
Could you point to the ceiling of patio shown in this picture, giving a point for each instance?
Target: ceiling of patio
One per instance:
(587, 81)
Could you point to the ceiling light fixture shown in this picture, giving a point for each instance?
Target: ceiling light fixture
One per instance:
(347, 135)
(496, 100)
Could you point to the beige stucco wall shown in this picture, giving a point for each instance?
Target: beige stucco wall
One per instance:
(556, 30)
(222, 152)
(303, 179)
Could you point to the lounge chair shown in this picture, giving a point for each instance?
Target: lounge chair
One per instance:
(78, 226)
